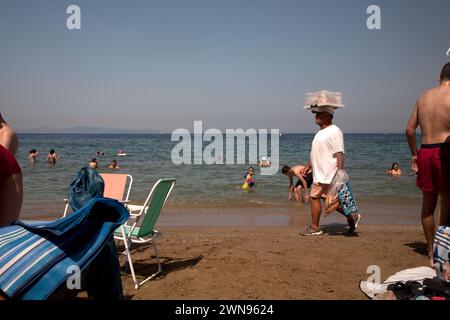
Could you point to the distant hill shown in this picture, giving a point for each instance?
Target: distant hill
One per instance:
(85, 129)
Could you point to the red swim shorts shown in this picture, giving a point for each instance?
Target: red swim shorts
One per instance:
(430, 177)
(8, 164)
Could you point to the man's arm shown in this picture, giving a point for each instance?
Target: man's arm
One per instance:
(291, 182)
(410, 131)
(306, 168)
(340, 160)
(291, 187)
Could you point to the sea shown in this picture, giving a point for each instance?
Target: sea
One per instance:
(212, 192)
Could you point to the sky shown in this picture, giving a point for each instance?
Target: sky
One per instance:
(230, 63)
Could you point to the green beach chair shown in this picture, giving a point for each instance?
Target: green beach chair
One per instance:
(141, 230)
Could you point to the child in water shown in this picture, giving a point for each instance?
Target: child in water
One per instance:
(248, 181)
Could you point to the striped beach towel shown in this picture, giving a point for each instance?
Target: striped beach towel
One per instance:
(35, 258)
(441, 252)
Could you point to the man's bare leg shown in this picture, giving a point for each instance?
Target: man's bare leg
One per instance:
(428, 206)
(351, 220)
(298, 194)
(316, 210)
(445, 210)
(11, 196)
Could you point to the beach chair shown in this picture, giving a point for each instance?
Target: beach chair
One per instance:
(141, 231)
(115, 188)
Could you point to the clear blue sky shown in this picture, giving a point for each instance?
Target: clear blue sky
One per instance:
(233, 64)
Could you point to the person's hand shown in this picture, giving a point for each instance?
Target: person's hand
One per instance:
(290, 197)
(414, 166)
(304, 171)
(306, 198)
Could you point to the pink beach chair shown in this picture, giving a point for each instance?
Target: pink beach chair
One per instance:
(115, 188)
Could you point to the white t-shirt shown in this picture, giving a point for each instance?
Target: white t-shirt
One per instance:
(327, 142)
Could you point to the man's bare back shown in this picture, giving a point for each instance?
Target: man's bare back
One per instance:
(433, 114)
(296, 170)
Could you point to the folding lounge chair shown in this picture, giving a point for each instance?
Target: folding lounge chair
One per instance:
(115, 185)
(141, 231)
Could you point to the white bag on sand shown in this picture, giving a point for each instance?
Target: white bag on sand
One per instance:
(372, 290)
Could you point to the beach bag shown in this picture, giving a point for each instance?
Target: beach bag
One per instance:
(340, 195)
(441, 253)
(86, 184)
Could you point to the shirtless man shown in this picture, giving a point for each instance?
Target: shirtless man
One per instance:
(32, 156)
(52, 157)
(303, 182)
(11, 187)
(114, 165)
(431, 161)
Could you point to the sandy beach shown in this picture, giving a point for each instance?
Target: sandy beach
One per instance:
(251, 253)
(273, 263)
(257, 253)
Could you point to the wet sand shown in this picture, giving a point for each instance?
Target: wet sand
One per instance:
(250, 215)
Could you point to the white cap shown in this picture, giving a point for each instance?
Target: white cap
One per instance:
(317, 109)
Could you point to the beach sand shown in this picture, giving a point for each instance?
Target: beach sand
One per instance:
(272, 262)
(257, 253)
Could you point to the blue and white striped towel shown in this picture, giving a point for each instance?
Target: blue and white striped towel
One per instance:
(441, 252)
(34, 258)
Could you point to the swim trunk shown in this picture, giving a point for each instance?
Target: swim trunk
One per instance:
(308, 179)
(319, 190)
(8, 164)
(430, 177)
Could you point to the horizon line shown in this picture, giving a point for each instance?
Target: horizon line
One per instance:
(164, 133)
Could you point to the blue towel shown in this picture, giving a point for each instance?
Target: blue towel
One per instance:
(34, 258)
(347, 200)
(85, 185)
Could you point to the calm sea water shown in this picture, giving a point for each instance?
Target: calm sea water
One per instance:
(149, 159)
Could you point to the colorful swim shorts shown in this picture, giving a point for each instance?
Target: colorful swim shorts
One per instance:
(430, 177)
(8, 164)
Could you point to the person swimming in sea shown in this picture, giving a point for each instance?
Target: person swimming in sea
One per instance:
(395, 170)
(248, 182)
(52, 157)
(121, 153)
(114, 165)
(264, 162)
(93, 164)
(32, 157)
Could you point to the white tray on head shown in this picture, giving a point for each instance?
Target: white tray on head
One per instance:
(323, 99)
